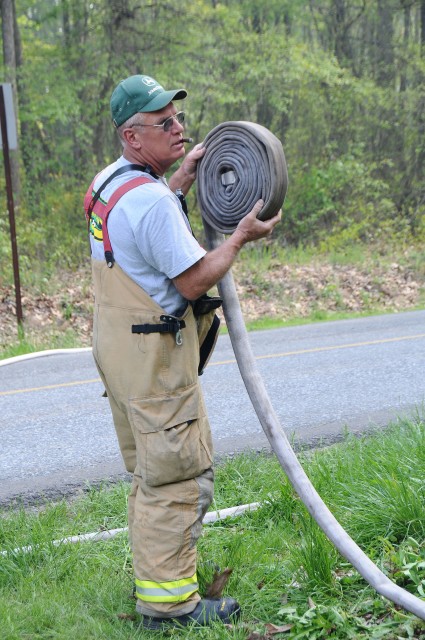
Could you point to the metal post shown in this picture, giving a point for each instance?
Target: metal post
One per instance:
(11, 209)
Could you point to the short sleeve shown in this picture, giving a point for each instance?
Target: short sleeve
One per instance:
(165, 240)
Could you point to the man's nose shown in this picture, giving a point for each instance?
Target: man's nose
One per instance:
(177, 127)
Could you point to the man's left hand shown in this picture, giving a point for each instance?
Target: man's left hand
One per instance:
(185, 175)
(191, 160)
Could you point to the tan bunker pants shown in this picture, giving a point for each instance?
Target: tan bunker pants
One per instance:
(164, 437)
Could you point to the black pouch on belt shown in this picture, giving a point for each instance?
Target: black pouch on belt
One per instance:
(208, 327)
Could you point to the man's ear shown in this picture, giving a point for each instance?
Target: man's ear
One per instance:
(131, 138)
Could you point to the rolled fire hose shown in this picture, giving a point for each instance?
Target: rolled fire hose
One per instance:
(243, 162)
(218, 216)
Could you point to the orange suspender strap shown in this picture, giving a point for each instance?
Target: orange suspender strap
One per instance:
(102, 210)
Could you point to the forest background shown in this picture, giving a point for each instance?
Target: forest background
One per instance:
(339, 82)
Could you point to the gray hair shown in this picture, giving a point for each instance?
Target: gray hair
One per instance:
(136, 119)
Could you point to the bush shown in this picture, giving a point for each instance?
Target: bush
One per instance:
(342, 198)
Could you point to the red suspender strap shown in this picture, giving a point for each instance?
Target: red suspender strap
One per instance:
(103, 210)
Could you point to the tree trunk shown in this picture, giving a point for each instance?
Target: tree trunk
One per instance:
(342, 47)
(8, 33)
(406, 37)
(9, 57)
(384, 54)
(422, 10)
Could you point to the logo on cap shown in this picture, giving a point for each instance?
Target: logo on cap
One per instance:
(148, 81)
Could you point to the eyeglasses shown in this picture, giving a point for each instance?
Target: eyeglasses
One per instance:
(167, 124)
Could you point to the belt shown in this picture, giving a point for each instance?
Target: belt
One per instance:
(169, 324)
(243, 162)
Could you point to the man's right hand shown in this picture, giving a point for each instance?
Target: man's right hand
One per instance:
(205, 273)
(251, 228)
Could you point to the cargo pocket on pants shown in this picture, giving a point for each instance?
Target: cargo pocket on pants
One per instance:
(172, 438)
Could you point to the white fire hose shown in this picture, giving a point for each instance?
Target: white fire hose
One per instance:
(244, 162)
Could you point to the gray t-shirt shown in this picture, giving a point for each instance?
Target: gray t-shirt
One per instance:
(150, 236)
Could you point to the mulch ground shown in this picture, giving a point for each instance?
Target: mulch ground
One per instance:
(282, 291)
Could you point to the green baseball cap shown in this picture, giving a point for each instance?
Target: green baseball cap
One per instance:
(140, 94)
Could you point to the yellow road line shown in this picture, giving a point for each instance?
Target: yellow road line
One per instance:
(284, 354)
(49, 386)
(352, 345)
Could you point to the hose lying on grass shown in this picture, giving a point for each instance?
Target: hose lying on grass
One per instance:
(108, 534)
(230, 167)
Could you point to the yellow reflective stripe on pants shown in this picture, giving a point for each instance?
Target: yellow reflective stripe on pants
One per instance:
(175, 591)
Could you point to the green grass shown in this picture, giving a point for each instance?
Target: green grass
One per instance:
(265, 323)
(23, 345)
(285, 571)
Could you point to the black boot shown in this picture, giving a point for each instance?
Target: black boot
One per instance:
(226, 610)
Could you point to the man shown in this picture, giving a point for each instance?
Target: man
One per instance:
(146, 344)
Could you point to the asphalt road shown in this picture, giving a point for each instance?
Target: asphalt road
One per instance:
(57, 435)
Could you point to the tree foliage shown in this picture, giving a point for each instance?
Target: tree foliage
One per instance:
(341, 84)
